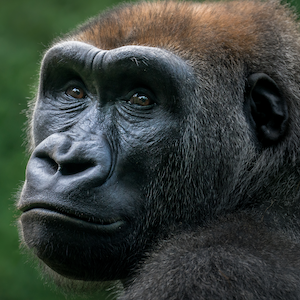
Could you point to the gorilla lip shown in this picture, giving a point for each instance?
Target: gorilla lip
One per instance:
(80, 218)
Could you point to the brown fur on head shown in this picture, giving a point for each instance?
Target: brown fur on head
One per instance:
(239, 27)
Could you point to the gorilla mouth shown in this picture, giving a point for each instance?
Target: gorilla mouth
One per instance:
(66, 215)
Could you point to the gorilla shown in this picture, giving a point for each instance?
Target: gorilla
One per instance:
(164, 140)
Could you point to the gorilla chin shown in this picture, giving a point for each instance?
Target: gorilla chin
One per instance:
(58, 251)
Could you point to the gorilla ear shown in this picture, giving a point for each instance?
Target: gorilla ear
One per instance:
(267, 108)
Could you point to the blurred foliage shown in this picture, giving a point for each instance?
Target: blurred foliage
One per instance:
(26, 29)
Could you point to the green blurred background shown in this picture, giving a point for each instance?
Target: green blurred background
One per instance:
(26, 29)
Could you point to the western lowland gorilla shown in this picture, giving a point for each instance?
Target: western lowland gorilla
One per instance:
(165, 141)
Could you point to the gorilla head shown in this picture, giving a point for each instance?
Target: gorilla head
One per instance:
(156, 118)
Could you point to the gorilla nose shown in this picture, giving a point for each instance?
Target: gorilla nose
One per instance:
(66, 156)
(67, 159)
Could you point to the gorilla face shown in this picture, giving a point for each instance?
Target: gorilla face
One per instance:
(104, 123)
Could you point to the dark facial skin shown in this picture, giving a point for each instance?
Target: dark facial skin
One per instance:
(102, 123)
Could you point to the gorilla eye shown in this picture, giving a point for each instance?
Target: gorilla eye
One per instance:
(76, 92)
(141, 100)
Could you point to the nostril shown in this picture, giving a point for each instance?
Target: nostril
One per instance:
(74, 168)
(48, 164)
